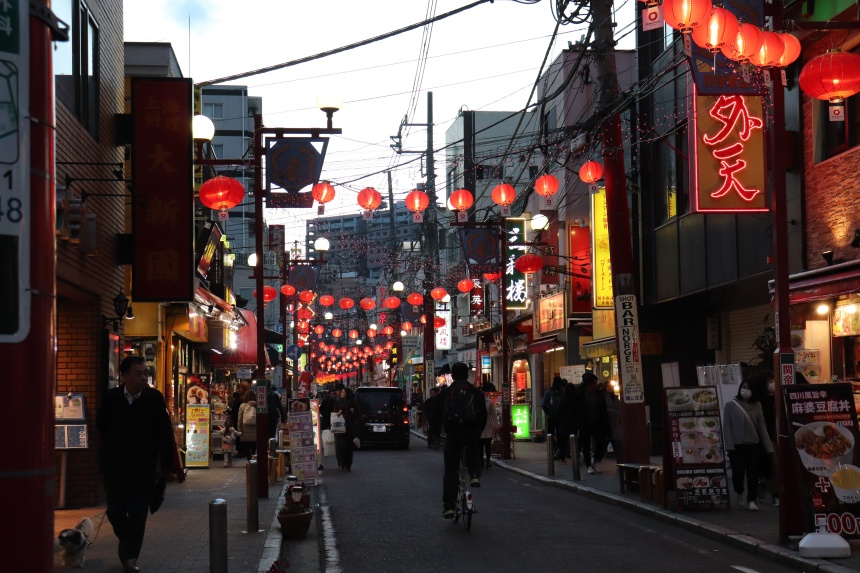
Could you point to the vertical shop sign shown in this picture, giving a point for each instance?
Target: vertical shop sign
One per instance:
(444, 332)
(549, 250)
(516, 287)
(823, 425)
(580, 269)
(629, 349)
(600, 264)
(476, 298)
(163, 202)
(696, 442)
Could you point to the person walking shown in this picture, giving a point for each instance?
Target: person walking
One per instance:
(137, 447)
(463, 413)
(567, 423)
(745, 432)
(344, 442)
(763, 389)
(549, 405)
(490, 428)
(592, 418)
(248, 424)
(613, 415)
(275, 413)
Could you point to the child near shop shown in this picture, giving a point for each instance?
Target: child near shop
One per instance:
(228, 442)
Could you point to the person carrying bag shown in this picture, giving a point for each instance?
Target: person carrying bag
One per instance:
(744, 427)
(338, 423)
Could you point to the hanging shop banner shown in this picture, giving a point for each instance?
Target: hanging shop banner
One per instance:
(444, 332)
(729, 151)
(580, 269)
(715, 74)
(696, 442)
(629, 349)
(197, 432)
(476, 298)
(600, 263)
(516, 285)
(824, 432)
(549, 249)
(163, 190)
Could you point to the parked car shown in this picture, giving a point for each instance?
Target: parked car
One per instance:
(384, 416)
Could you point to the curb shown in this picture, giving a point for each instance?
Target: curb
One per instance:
(777, 553)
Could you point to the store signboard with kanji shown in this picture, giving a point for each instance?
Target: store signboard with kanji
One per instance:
(600, 264)
(516, 283)
(823, 428)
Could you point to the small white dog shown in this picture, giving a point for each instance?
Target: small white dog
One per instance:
(73, 543)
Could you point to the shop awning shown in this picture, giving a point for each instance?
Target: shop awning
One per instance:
(245, 352)
(599, 347)
(208, 297)
(828, 282)
(541, 345)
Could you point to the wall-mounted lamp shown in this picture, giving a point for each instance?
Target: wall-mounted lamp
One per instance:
(129, 315)
(120, 308)
(828, 257)
(856, 242)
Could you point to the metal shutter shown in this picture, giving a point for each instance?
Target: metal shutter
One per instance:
(744, 325)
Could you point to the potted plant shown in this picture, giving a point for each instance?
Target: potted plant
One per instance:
(295, 515)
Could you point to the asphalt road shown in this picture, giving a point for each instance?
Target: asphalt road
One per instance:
(386, 516)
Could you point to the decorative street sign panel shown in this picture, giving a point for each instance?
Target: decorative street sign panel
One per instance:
(293, 163)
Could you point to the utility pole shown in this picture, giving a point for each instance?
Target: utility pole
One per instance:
(433, 258)
(634, 428)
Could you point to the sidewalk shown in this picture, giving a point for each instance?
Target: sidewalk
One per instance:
(754, 531)
(177, 536)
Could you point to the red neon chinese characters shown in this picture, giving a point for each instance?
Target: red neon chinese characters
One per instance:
(731, 111)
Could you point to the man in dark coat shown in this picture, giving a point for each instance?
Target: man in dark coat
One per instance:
(459, 435)
(276, 413)
(136, 454)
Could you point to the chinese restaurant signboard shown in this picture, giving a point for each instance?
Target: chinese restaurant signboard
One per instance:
(163, 201)
(601, 267)
(729, 150)
(823, 426)
(516, 283)
(476, 298)
(696, 442)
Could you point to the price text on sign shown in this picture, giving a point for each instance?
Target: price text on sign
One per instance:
(629, 349)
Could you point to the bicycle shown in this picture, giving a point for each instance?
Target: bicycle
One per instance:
(465, 506)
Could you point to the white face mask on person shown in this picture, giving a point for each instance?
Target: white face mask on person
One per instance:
(745, 394)
(771, 387)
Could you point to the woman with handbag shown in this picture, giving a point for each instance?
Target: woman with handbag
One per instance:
(743, 430)
(345, 432)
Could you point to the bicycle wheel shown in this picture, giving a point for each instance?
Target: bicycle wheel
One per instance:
(467, 513)
(458, 510)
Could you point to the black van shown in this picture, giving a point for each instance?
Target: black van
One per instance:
(384, 416)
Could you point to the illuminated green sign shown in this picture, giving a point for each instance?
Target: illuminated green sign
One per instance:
(520, 417)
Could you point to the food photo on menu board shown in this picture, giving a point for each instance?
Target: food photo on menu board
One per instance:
(698, 454)
(824, 432)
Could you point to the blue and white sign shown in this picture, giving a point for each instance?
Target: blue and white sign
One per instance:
(294, 352)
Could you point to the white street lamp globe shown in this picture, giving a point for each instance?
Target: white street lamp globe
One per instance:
(202, 128)
(373, 326)
(397, 287)
(328, 316)
(322, 245)
(329, 99)
(252, 260)
(540, 222)
(446, 298)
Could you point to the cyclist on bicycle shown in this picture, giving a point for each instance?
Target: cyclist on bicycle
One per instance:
(461, 411)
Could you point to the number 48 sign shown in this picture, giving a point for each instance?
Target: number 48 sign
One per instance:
(14, 171)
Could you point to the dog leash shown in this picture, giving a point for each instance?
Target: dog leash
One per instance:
(96, 534)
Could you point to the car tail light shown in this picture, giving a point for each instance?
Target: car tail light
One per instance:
(405, 409)
(405, 421)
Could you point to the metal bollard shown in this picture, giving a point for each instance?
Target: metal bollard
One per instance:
(550, 461)
(252, 499)
(218, 536)
(574, 460)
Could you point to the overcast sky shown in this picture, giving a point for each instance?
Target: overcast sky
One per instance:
(486, 58)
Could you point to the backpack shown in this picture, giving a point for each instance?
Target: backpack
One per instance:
(249, 416)
(459, 410)
(554, 401)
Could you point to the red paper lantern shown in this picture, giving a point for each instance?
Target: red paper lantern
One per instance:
(590, 172)
(407, 326)
(353, 333)
(337, 333)
(529, 263)
(323, 192)
(719, 28)
(288, 290)
(465, 285)
(300, 343)
(269, 294)
(415, 299)
(346, 303)
(461, 199)
(391, 302)
(389, 345)
(770, 51)
(388, 330)
(833, 76)
(438, 322)
(685, 15)
(504, 194)
(319, 329)
(367, 303)
(791, 50)
(326, 300)
(306, 296)
(492, 276)
(369, 198)
(371, 333)
(747, 42)
(221, 193)
(438, 293)
(423, 319)
(417, 201)
(546, 185)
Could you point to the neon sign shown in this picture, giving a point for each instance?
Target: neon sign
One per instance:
(730, 164)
